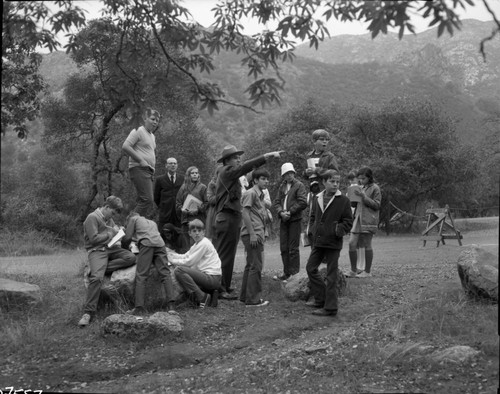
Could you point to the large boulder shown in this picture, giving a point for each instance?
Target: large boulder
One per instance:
(118, 288)
(18, 295)
(297, 286)
(478, 272)
(167, 324)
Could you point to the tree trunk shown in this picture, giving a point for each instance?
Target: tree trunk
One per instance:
(100, 139)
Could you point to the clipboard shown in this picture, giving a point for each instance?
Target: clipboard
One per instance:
(191, 203)
(119, 235)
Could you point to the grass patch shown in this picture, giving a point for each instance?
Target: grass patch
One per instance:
(27, 243)
(450, 315)
(47, 322)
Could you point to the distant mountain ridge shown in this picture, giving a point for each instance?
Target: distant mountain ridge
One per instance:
(449, 71)
(457, 57)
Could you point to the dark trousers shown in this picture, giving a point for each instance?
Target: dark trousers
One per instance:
(227, 235)
(289, 246)
(104, 262)
(251, 285)
(143, 179)
(194, 281)
(158, 257)
(324, 293)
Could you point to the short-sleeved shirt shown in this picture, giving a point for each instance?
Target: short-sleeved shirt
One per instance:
(254, 199)
(144, 143)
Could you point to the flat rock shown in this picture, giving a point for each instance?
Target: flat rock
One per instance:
(455, 354)
(297, 286)
(168, 324)
(478, 272)
(18, 295)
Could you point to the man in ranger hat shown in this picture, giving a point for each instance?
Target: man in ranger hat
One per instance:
(228, 217)
(289, 204)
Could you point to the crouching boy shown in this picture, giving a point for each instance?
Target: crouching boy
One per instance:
(151, 251)
(198, 271)
(330, 220)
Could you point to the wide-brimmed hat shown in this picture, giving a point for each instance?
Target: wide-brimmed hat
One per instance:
(229, 150)
(287, 167)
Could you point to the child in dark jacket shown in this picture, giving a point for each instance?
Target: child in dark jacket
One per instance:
(330, 221)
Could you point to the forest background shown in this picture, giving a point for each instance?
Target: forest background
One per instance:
(423, 112)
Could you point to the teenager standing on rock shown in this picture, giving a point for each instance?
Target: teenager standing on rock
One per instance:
(140, 147)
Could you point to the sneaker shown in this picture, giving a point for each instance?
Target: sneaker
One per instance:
(84, 321)
(364, 274)
(282, 278)
(138, 310)
(260, 303)
(351, 274)
(206, 301)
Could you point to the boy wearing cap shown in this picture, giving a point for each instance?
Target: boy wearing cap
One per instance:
(320, 158)
(289, 204)
(228, 209)
(98, 229)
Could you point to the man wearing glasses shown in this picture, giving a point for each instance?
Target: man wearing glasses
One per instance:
(98, 230)
(165, 193)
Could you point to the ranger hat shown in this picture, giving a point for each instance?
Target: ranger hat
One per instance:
(287, 167)
(229, 150)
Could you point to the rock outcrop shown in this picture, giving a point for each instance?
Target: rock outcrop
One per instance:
(168, 324)
(478, 272)
(118, 288)
(297, 287)
(18, 295)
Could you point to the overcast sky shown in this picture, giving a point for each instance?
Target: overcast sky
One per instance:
(200, 9)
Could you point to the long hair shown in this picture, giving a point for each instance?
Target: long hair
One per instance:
(366, 171)
(187, 179)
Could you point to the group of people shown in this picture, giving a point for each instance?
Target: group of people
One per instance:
(199, 226)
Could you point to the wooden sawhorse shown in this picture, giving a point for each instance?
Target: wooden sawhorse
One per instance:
(436, 220)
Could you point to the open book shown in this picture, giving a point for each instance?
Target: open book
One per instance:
(191, 203)
(313, 162)
(350, 193)
(119, 235)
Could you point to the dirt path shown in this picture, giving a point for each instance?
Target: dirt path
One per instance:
(283, 348)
